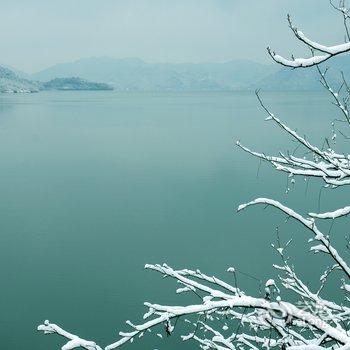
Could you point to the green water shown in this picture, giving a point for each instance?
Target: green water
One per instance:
(95, 185)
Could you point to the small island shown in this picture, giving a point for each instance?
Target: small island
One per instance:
(73, 83)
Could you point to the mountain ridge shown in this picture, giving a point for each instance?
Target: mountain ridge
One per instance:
(133, 74)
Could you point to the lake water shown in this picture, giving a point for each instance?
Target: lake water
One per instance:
(93, 185)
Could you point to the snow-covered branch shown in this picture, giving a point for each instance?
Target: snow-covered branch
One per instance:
(341, 103)
(332, 214)
(266, 314)
(328, 165)
(307, 222)
(327, 51)
(73, 340)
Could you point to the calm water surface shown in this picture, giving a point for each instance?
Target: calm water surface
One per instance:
(95, 185)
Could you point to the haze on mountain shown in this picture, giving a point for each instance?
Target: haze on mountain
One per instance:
(157, 31)
(132, 74)
(47, 32)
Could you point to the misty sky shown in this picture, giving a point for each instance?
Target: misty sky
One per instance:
(35, 34)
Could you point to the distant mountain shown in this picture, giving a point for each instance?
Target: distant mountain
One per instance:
(306, 79)
(11, 82)
(136, 75)
(74, 83)
(133, 74)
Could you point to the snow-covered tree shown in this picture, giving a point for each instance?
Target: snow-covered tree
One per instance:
(225, 316)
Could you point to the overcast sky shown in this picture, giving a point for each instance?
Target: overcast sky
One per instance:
(35, 34)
